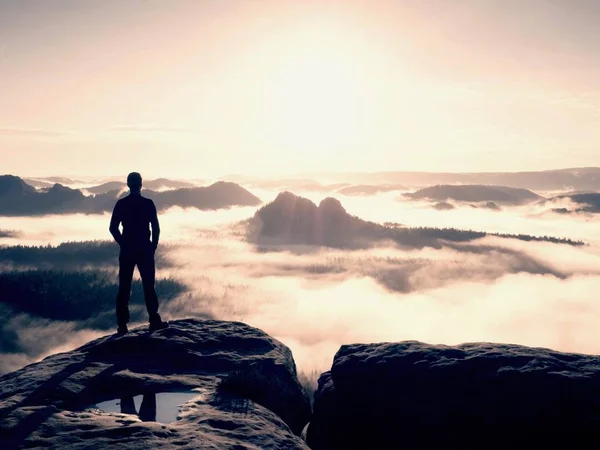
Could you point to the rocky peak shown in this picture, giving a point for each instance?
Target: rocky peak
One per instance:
(248, 393)
(11, 185)
(332, 205)
(412, 395)
(297, 219)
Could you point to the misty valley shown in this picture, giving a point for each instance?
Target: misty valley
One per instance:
(314, 262)
(318, 266)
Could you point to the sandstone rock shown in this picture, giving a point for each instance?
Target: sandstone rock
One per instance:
(49, 404)
(412, 395)
(293, 220)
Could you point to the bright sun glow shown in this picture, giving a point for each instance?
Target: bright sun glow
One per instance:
(317, 102)
(318, 95)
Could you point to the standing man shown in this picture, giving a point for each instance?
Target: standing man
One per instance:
(137, 214)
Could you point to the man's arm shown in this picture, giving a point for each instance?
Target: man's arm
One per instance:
(115, 221)
(155, 226)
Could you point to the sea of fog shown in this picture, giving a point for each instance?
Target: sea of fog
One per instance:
(532, 293)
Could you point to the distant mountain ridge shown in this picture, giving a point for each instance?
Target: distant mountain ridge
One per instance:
(370, 189)
(19, 198)
(153, 185)
(60, 180)
(106, 187)
(476, 193)
(586, 203)
(581, 178)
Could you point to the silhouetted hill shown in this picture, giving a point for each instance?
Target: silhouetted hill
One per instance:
(11, 185)
(443, 206)
(585, 203)
(370, 189)
(164, 183)
(475, 193)
(18, 198)
(107, 187)
(38, 184)
(62, 196)
(293, 220)
(221, 194)
(590, 202)
(61, 180)
(491, 205)
(150, 185)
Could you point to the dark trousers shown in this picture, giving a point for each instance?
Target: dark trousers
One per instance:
(143, 258)
(147, 408)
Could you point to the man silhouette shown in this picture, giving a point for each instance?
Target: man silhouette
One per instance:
(137, 214)
(147, 408)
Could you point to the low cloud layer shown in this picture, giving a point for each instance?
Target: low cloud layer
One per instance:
(316, 299)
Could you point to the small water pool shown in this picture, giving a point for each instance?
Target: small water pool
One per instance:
(160, 407)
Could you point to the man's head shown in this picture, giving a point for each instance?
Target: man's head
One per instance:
(134, 182)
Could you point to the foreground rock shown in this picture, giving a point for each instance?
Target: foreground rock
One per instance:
(412, 395)
(48, 404)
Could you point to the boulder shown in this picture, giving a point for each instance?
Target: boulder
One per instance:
(411, 395)
(52, 403)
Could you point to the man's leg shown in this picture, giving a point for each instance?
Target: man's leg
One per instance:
(148, 275)
(148, 408)
(127, 405)
(126, 266)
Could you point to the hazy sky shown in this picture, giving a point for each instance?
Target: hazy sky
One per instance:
(202, 88)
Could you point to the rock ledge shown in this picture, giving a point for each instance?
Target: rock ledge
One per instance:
(413, 395)
(47, 404)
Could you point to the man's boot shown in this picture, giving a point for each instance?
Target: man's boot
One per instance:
(156, 323)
